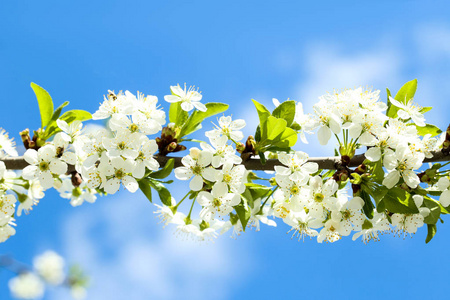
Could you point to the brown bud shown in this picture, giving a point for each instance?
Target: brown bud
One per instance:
(76, 179)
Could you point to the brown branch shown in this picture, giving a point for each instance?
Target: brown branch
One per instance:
(18, 163)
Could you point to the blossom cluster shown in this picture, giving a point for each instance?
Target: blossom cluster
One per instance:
(84, 162)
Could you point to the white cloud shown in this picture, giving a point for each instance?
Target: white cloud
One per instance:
(129, 256)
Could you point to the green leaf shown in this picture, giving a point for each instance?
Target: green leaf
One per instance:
(407, 92)
(75, 115)
(165, 171)
(425, 109)
(435, 210)
(286, 111)
(194, 121)
(428, 129)
(263, 112)
(45, 104)
(404, 95)
(69, 116)
(368, 204)
(177, 115)
(400, 201)
(378, 193)
(274, 128)
(144, 185)
(262, 157)
(163, 192)
(431, 232)
(243, 214)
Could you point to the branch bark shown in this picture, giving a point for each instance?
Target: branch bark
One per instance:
(329, 163)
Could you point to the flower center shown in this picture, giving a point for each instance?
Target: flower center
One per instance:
(318, 197)
(43, 166)
(217, 202)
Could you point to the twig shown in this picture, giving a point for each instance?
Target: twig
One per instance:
(328, 163)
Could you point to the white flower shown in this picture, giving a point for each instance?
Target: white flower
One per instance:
(118, 171)
(70, 131)
(145, 157)
(330, 232)
(302, 224)
(410, 110)
(298, 167)
(328, 121)
(233, 176)
(50, 266)
(43, 165)
(401, 163)
(221, 152)
(7, 208)
(77, 195)
(26, 286)
(218, 201)
(189, 98)
(407, 223)
(139, 123)
(7, 145)
(227, 127)
(196, 165)
(123, 144)
(370, 229)
(112, 105)
(7, 231)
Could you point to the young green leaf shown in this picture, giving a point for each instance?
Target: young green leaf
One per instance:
(428, 129)
(177, 115)
(165, 171)
(286, 111)
(368, 204)
(243, 214)
(144, 185)
(45, 104)
(194, 122)
(398, 200)
(407, 91)
(75, 115)
(431, 232)
(163, 192)
(263, 112)
(435, 211)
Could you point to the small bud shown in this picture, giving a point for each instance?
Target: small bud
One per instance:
(76, 179)
(272, 181)
(240, 147)
(172, 146)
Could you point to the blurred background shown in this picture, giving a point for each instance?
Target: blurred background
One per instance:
(233, 51)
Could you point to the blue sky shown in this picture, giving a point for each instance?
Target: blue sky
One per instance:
(233, 51)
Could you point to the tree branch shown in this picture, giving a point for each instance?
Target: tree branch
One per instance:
(329, 163)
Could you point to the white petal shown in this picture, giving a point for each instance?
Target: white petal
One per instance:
(196, 183)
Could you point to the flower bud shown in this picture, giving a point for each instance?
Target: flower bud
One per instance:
(172, 146)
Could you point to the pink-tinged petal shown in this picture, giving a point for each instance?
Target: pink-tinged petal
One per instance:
(31, 157)
(130, 184)
(196, 183)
